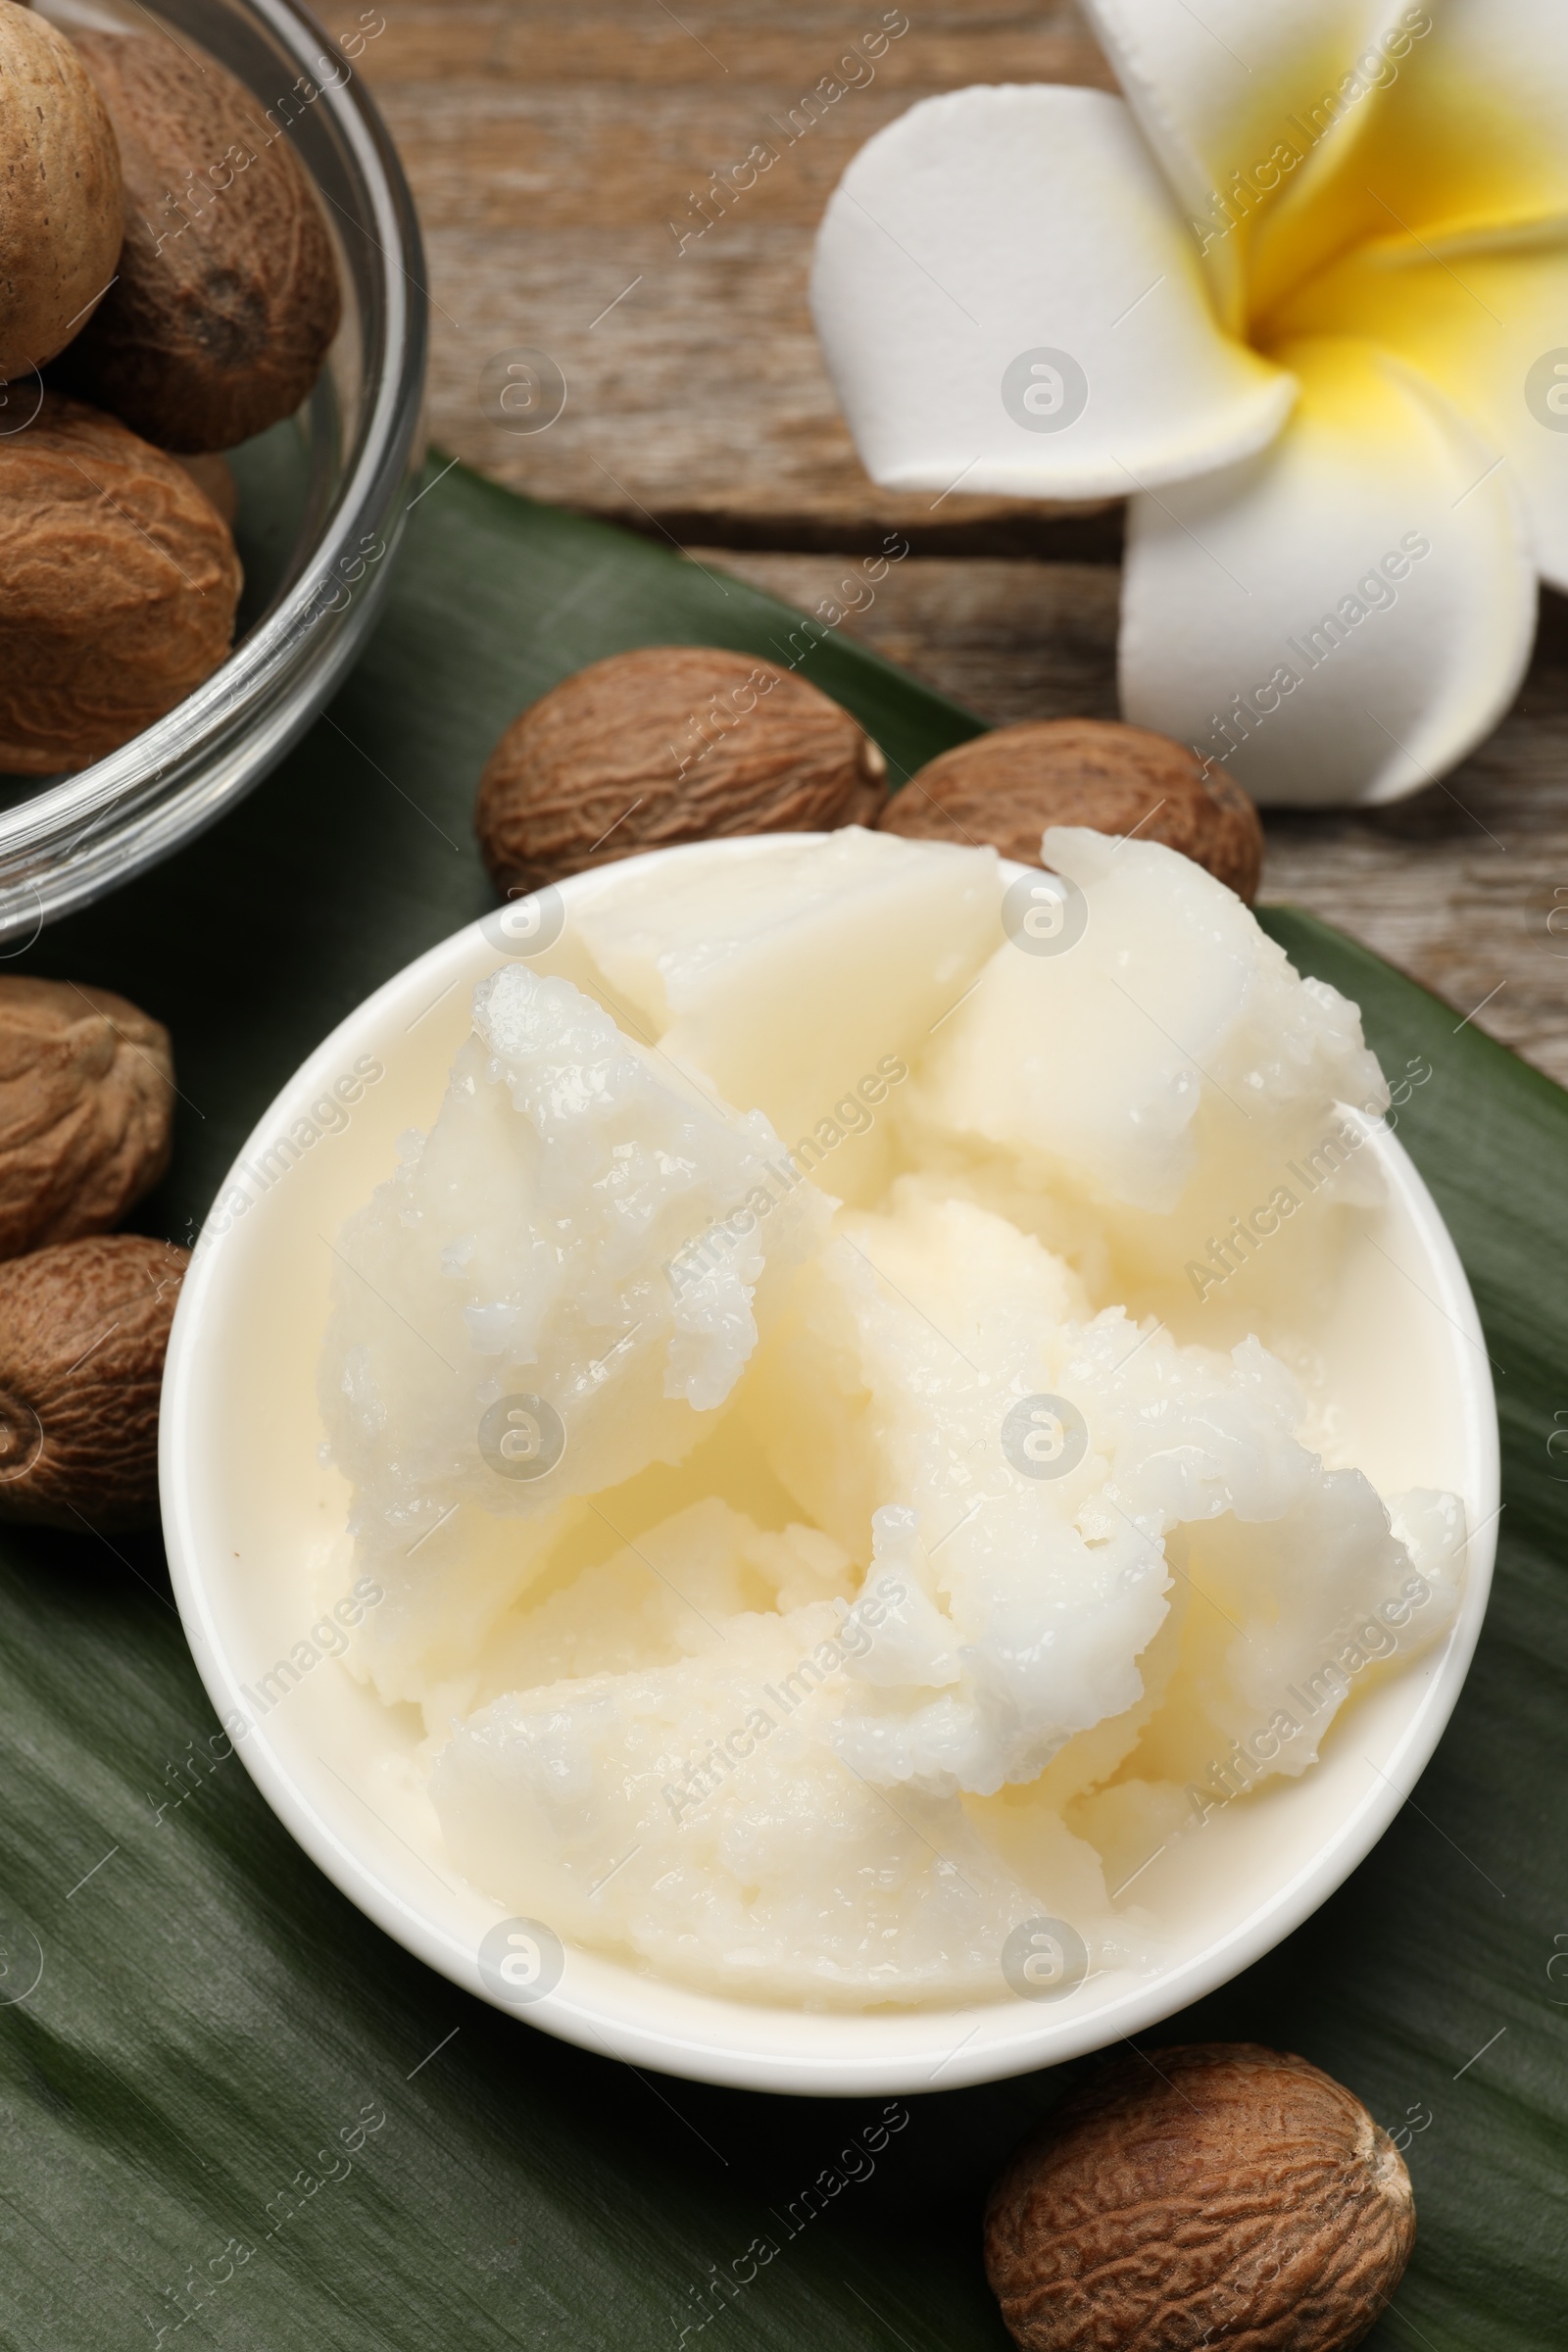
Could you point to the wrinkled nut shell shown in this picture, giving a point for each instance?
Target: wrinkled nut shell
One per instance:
(86, 1110)
(1235, 2195)
(227, 295)
(60, 208)
(1009, 786)
(83, 1329)
(117, 587)
(672, 743)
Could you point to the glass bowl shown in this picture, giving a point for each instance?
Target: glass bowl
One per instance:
(323, 496)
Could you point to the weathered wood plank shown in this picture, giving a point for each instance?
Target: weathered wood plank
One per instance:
(551, 149)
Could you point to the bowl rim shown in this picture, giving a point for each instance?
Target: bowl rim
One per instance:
(891, 2051)
(177, 776)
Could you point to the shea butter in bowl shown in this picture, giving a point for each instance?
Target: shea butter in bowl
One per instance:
(830, 1464)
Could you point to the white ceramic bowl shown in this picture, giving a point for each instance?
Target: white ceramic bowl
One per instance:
(254, 1518)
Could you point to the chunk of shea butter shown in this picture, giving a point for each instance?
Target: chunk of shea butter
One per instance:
(1266, 1664)
(1150, 1050)
(1286, 1629)
(935, 1359)
(522, 1253)
(660, 1599)
(696, 1816)
(800, 976)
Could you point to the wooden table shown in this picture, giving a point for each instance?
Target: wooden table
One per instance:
(551, 146)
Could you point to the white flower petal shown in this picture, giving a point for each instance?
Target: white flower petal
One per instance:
(1343, 617)
(1008, 300)
(1240, 101)
(1491, 329)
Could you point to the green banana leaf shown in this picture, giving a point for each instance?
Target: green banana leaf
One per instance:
(232, 2113)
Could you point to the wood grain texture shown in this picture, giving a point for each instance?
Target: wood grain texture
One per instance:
(551, 146)
(551, 149)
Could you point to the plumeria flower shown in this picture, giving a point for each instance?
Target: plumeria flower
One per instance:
(1303, 296)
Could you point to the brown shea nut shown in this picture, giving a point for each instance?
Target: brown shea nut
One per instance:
(61, 210)
(83, 1329)
(117, 587)
(671, 743)
(1218, 2193)
(227, 295)
(86, 1110)
(1006, 787)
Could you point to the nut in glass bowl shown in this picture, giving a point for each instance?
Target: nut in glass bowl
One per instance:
(320, 493)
